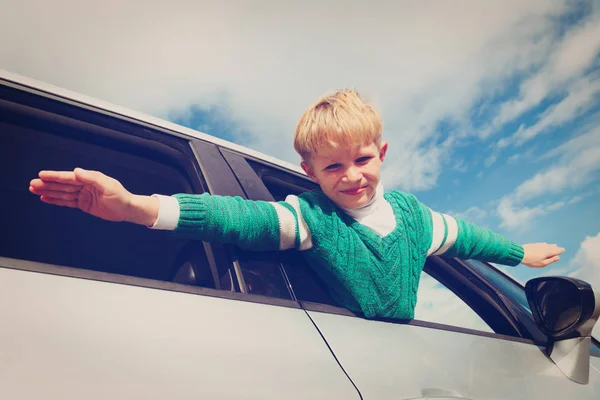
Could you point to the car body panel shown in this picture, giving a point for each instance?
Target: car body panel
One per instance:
(71, 338)
(400, 361)
(595, 363)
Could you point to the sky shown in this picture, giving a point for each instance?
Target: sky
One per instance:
(491, 109)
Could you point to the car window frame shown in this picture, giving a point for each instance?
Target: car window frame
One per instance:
(252, 183)
(188, 150)
(169, 150)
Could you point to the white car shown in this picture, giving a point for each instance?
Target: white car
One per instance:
(91, 309)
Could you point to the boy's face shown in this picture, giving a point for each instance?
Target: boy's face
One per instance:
(347, 176)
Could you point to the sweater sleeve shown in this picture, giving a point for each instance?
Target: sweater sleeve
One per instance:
(454, 237)
(252, 225)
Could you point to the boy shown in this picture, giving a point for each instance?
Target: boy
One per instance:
(368, 246)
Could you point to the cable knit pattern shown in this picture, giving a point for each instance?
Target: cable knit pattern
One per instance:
(251, 225)
(374, 275)
(364, 272)
(478, 243)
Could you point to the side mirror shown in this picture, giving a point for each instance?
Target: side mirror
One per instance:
(565, 309)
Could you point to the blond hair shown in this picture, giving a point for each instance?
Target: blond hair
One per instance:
(339, 120)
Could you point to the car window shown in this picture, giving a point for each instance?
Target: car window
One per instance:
(280, 183)
(436, 303)
(505, 284)
(262, 273)
(39, 232)
(282, 274)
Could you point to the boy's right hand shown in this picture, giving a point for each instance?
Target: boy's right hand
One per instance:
(96, 194)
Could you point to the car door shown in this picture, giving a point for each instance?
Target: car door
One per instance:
(421, 358)
(93, 309)
(471, 344)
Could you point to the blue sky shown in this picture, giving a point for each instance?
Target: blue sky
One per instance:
(491, 109)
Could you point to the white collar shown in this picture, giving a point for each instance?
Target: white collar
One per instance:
(370, 207)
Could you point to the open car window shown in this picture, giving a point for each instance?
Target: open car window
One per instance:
(436, 303)
(62, 236)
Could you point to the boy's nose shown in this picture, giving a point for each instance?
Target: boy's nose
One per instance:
(353, 174)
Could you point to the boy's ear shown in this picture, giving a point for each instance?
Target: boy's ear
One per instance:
(309, 171)
(383, 150)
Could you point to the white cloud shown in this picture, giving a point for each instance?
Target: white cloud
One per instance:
(557, 206)
(580, 98)
(519, 217)
(577, 165)
(569, 174)
(514, 158)
(460, 166)
(577, 51)
(568, 61)
(576, 199)
(587, 261)
(587, 266)
(472, 214)
(489, 161)
(266, 61)
(589, 138)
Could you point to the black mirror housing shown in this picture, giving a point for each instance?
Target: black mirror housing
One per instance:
(566, 310)
(562, 307)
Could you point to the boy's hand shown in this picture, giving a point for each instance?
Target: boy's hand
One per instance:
(96, 194)
(540, 255)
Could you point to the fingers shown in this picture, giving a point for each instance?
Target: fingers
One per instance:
(66, 177)
(542, 263)
(59, 202)
(90, 177)
(550, 260)
(545, 249)
(38, 184)
(78, 176)
(54, 194)
(559, 250)
(554, 250)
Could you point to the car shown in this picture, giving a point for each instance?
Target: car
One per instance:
(95, 309)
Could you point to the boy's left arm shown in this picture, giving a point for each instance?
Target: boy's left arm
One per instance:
(457, 238)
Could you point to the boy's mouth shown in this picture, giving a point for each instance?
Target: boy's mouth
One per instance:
(355, 191)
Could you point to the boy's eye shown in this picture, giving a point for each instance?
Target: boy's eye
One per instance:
(363, 160)
(331, 167)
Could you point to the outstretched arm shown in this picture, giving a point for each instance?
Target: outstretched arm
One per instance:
(96, 194)
(457, 238)
(256, 225)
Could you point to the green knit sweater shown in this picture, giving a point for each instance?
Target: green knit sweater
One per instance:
(366, 273)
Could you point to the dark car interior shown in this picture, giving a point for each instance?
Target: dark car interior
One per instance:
(32, 140)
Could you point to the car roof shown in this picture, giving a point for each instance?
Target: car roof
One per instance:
(123, 112)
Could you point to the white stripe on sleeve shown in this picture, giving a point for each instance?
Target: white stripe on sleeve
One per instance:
(287, 227)
(438, 232)
(168, 213)
(305, 236)
(452, 234)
